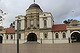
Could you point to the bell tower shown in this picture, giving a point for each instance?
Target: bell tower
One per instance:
(32, 16)
(36, 22)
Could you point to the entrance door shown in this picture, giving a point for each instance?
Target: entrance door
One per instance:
(32, 37)
(1, 39)
(75, 37)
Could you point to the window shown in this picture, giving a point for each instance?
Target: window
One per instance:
(64, 35)
(6, 36)
(56, 35)
(19, 36)
(0, 29)
(32, 23)
(45, 23)
(45, 35)
(11, 36)
(38, 23)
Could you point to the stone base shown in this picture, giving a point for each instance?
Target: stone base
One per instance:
(32, 42)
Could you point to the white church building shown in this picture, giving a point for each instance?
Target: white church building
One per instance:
(38, 26)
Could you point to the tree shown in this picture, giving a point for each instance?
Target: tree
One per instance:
(12, 25)
(68, 21)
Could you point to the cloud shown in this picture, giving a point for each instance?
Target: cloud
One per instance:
(61, 9)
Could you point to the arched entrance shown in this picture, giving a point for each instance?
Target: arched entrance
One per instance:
(32, 37)
(75, 37)
(1, 39)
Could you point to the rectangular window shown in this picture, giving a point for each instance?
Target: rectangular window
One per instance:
(6, 36)
(45, 23)
(11, 36)
(31, 22)
(19, 36)
(64, 35)
(45, 36)
(37, 23)
(56, 35)
(0, 29)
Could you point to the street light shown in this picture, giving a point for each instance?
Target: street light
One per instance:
(18, 35)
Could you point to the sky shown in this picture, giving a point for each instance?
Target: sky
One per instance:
(60, 9)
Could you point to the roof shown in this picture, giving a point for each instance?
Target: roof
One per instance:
(34, 6)
(55, 28)
(10, 30)
(59, 27)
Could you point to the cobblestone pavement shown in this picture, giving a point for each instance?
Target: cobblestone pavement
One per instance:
(41, 48)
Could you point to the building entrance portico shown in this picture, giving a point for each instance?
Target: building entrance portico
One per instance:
(32, 37)
(75, 37)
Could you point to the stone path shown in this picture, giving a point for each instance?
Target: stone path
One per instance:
(41, 48)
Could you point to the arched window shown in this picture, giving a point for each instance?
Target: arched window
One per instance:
(56, 35)
(6, 36)
(11, 36)
(64, 35)
(45, 35)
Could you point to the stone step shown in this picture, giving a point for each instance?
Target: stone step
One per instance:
(32, 42)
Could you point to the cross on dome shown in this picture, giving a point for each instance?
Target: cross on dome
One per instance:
(34, 1)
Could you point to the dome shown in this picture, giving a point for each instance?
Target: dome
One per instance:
(34, 6)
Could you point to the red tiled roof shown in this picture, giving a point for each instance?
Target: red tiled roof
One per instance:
(58, 27)
(10, 30)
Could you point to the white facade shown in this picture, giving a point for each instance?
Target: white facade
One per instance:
(6, 38)
(36, 26)
(37, 22)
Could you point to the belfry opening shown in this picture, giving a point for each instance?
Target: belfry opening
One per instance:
(32, 37)
(75, 37)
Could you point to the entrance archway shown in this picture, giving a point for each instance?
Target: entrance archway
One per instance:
(1, 39)
(75, 37)
(32, 37)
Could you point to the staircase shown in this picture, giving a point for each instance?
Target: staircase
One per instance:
(32, 42)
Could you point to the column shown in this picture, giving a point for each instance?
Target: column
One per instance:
(49, 22)
(15, 25)
(68, 36)
(4, 39)
(28, 23)
(41, 22)
(22, 24)
(35, 22)
(60, 35)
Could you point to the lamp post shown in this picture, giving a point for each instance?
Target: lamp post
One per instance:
(18, 35)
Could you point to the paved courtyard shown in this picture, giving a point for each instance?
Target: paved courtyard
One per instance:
(41, 48)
